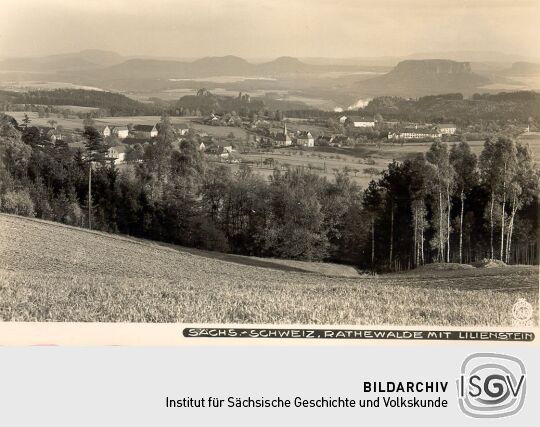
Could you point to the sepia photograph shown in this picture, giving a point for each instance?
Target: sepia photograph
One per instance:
(258, 162)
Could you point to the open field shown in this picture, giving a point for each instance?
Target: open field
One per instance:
(71, 123)
(76, 123)
(533, 139)
(321, 162)
(51, 272)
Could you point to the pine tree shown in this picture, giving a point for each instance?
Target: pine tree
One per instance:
(95, 154)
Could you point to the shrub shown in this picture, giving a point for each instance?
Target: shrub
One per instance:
(18, 202)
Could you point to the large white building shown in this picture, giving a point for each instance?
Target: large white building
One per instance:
(361, 122)
(447, 128)
(416, 133)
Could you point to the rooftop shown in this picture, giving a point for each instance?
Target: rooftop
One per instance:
(360, 119)
(144, 128)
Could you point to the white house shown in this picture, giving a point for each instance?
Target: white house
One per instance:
(121, 132)
(182, 129)
(106, 131)
(305, 139)
(224, 147)
(117, 153)
(218, 148)
(447, 128)
(343, 119)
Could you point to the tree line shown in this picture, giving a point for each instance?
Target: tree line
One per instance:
(521, 107)
(114, 103)
(445, 206)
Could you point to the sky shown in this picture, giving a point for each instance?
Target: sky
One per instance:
(269, 28)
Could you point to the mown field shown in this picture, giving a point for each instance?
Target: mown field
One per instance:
(50, 272)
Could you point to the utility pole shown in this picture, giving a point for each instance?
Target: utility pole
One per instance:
(90, 195)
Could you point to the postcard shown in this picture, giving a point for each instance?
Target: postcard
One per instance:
(221, 174)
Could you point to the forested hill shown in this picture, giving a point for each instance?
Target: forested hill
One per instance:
(513, 106)
(115, 103)
(205, 102)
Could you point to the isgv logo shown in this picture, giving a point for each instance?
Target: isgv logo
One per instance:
(491, 385)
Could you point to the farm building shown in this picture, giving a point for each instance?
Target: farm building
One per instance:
(181, 129)
(305, 139)
(121, 132)
(415, 133)
(213, 120)
(145, 131)
(447, 128)
(361, 122)
(339, 140)
(50, 133)
(323, 140)
(219, 148)
(117, 154)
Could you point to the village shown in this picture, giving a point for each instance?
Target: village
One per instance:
(358, 145)
(265, 132)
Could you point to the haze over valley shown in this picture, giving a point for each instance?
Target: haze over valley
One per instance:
(323, 83)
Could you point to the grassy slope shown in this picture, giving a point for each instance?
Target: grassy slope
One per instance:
(50, 272)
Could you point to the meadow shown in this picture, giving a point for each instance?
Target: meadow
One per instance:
(74, 122)
(52, 272)
(326, 160)
(70, 123)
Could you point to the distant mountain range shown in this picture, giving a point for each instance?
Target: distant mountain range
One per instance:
(344, 79)
(91, 58)
(116, 66)
(94, 58)
(211, 67)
